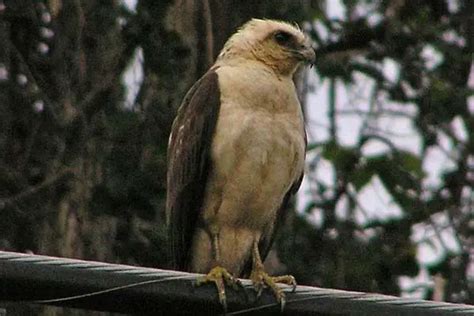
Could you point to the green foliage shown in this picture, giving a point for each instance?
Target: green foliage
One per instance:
(81, 159)
(342, 158)
(355, 261)
(430, 43)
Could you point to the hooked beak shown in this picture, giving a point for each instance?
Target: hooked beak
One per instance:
(309, 54)
(306, 53)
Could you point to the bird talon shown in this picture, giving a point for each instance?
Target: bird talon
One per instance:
(261, 280)
(220, 277)
(288, 280)
(259, 290)
(282, 303)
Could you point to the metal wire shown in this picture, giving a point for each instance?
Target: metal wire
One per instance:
(121, 288)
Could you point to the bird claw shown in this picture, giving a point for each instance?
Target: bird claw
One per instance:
(288, 280)
(220, 277)
(261, 279)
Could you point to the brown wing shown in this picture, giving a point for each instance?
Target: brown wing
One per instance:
(188, 164)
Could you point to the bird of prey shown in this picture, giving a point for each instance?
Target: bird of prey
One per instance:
(236, 155)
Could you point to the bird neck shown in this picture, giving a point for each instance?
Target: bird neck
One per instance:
(281, 70)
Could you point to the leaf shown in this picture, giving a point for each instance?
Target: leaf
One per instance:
(343, 158)
(360, 177)
(411, 163)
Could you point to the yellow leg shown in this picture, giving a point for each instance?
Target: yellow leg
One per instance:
(261, 279)
(219, 276)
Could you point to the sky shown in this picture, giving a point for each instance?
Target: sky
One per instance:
(434, 240)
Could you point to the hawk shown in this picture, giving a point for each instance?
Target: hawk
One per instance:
(236, 156)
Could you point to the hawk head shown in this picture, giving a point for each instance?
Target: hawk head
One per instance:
(277, 44)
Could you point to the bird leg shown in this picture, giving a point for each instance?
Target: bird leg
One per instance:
(261, 279)
(219, 276)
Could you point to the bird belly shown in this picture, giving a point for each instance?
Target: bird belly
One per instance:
(255, 161)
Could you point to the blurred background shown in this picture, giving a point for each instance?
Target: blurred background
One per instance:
(89, 89)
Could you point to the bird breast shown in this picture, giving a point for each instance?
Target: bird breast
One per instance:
(257, 150)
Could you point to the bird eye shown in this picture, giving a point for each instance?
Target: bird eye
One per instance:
(282, 37)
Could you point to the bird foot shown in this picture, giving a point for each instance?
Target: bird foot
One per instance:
(220, 277)
(261, 279)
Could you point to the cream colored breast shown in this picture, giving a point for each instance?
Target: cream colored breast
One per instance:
(258, 147)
